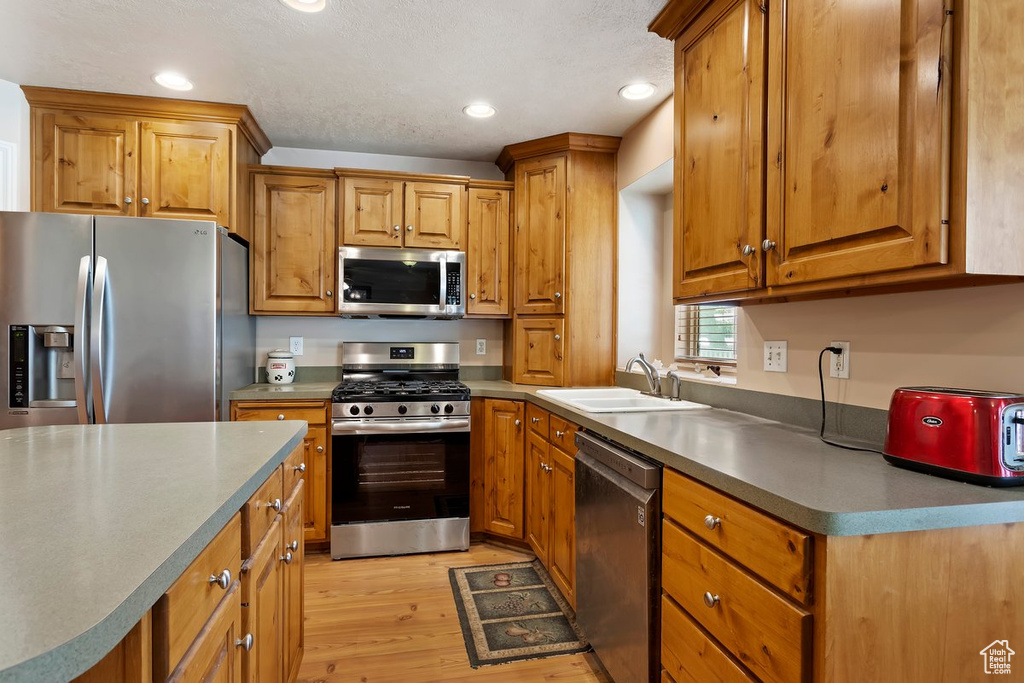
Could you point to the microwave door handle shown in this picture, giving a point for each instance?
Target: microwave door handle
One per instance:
(99, 295)
(81, 350)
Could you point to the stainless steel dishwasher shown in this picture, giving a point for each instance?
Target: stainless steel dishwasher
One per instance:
(618, 546)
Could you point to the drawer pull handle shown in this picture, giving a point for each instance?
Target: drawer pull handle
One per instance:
(245, 642)
(276, 505)
(223, 579)
(711, 599)
(281, 416)
(535, 420)
(287, 557)
(559, 434)
(711, 522)
(300, 468)
(293, 546)
(319, 449)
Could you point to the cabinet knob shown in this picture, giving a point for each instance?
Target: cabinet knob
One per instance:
(747, 250)
(223, 579)
(558, 295)
(558, 337)
(145, 201)
(547, 468)
(397, 228)
(710, 599)
(276, 505)
(329, 293)
(559, 434)
(767, 245)
(287, 557)
(127, 200)
(293, 546)
(517, 423)
(711, 522)
(535, 420)
(281, 416)
(319, 449)
(472, 296)
(300, 468)
(408, 228)
(245, 643)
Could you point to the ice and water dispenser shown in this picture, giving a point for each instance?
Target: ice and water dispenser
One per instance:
(42, 366)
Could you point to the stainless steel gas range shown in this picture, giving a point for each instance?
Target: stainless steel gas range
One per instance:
(400, 451)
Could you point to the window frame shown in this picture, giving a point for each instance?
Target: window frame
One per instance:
(689, 328)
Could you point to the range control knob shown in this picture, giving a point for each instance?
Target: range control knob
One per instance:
(354, 410)
(402, 410)
(449, 408)
(435, 409)
(368, 410)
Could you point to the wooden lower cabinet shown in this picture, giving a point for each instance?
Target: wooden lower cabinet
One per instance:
(538, 496)
(216, 655)
(293, 583)
(262, 592)
(131, 660)
(503, 468)
(562, 557)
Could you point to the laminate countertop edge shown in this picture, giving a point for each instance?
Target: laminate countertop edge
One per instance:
(76, 655)
(781, 469)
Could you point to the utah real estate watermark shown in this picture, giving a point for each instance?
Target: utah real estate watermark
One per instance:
(997, 657)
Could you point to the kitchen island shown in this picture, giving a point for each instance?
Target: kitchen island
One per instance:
(100, 520)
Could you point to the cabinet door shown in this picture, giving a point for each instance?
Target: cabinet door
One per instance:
(719, 176)
(215, 656)
(185, 171)
(372, 213)
(858, 151)
(293, 249)
(435, 215)
(538, 496)
(487, 257)
(293, 583)
(562, 560)
(261, 607)
(538, 349)
(503, 468)
(540, 235)
(85, 164)
(315, 517)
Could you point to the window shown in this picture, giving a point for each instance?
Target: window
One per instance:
(706, 333)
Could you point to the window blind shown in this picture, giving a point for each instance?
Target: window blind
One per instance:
(706, 332)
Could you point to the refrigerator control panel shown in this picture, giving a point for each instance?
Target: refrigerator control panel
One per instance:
(19, 343)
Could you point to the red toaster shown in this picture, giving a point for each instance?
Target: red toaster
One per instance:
(972, 436)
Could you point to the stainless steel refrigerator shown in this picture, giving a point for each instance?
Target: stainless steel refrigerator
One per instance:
(109, 319)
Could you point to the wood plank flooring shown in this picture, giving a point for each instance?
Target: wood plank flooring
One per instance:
(393, 620)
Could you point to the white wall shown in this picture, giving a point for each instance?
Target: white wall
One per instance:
(320, 158)
(14, 129)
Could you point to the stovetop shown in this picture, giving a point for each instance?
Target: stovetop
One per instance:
(400, 390)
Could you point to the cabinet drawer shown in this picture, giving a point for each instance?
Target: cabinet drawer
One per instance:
(180, 613)
(259, 512)
(688, 655)
(294, 467)
(563, 434)
(313, 413)
(537, 418)
(774, 550)
(763, 630)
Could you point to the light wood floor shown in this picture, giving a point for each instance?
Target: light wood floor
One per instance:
(393, 620)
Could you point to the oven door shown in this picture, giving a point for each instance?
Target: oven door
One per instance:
(381, 282)
(402, 475)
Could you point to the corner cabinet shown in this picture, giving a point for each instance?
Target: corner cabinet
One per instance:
(123, 155)
(294, 248)
(488, 250)
(790, 181)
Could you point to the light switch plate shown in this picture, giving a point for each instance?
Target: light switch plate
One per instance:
(295, 345)
(776, 356)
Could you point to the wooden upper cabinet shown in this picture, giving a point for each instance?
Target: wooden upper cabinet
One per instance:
(84, 164)
(489, 241)
(858, 106)
(539, 345)
(540, 235)
(293, 248)
(503, 468)
(185, 171)
(719, 181)
(372, 212)
(435, 215)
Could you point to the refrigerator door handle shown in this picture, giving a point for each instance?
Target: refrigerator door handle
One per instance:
(99, 293)
(82, 341)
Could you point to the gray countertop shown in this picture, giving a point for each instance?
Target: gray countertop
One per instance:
(99, 520)
(782, 469)
(307, 391)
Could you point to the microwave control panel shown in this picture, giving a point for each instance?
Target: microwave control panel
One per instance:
(454, 288)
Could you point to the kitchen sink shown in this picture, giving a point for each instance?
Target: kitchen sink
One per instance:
(615, 400)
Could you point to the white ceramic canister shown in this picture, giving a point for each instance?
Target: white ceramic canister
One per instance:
(280, 367)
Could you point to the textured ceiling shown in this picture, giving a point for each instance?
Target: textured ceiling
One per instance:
(382, 76)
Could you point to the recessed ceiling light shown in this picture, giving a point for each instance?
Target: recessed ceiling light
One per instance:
(479, 110)
(306, 5)
(637, 91)
(172, 80)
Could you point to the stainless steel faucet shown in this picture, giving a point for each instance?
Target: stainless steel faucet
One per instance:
(653, 379)
(675, 377)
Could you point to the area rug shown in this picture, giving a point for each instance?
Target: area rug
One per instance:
(512, 612)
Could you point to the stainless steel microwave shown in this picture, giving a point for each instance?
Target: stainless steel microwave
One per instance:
(382, 283)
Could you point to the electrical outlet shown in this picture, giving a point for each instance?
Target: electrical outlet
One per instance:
(295, 345)
(839, 363)
(481, 347)
(776, 356)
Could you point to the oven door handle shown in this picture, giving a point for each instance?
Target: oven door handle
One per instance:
(360, 428)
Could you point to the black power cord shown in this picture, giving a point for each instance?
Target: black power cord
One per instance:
(821, 381)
